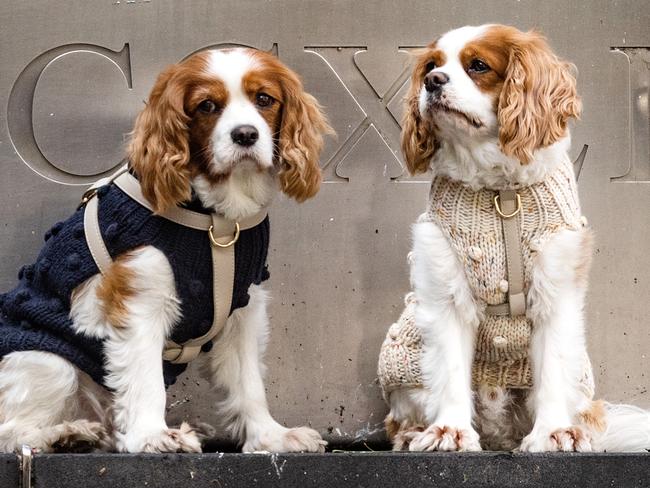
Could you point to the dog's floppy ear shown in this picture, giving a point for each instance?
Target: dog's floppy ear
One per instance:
(538, 97)
(418, 134)
(301, 138)
(159, 147)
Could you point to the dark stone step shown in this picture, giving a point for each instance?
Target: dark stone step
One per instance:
(333, 470)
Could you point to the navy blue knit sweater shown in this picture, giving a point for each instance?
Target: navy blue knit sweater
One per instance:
(35, 314)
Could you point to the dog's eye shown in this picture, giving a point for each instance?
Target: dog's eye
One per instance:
(264, 100)
(430, 66)
(478, 66)
(208, 107)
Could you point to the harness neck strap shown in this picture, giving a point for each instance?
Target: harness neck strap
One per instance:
(221, 233)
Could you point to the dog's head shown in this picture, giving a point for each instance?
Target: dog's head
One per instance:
(491, 81)
(223, 111)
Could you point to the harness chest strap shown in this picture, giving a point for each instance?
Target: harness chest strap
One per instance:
(508, 205)
(222, 233)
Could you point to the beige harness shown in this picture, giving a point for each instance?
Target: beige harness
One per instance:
(508, 205)
(223, 234)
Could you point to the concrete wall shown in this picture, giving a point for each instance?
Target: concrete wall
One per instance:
(74, 75)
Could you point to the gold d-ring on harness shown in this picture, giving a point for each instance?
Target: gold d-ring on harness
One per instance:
(228, 244)
(498, 207)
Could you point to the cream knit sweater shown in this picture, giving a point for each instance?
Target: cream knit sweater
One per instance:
(470, 222)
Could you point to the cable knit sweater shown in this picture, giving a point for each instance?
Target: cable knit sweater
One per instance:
(35, 314)
(473, 228)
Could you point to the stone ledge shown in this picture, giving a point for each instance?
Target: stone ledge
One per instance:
(333, 470)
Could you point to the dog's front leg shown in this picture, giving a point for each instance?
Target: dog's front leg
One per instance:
(139, 299)
(556, 300)
(235, 365)
(448, 318)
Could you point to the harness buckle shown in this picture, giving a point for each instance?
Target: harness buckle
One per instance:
(85, 198)
(228, 244)
(497, 206)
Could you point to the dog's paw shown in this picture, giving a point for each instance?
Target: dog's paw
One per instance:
(403, 438)
(183, 439)
(80, 435)
(569, 439)
(281, 439)
(445, 438)
(75, 436)
(81, 431)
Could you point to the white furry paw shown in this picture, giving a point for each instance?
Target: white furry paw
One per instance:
(81, 432)
(281, 439)
(76, 436)
(569, 439)
(183, 439)
(404, 437)
(445, 438)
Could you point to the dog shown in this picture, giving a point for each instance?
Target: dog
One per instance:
(490, 352)
(167, 257)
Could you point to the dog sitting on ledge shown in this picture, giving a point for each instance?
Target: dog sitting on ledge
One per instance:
(490, 349)
(166, 258)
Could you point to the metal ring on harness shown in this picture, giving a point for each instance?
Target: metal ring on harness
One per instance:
(218, 244)
(510, 215)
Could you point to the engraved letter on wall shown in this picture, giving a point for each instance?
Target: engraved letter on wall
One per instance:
(639, 118)
(67, 112)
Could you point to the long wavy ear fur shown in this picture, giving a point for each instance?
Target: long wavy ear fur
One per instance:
(538, 97)
(419, 142)
(301, 139)
(159, 147)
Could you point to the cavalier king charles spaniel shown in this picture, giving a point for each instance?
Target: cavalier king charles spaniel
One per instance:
(221, 133)
(491, 353)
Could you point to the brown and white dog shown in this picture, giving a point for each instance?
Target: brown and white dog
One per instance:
(231, 128)
(487, 109)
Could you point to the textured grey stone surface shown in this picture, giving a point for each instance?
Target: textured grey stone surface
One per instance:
(8, 470)
(340, 470)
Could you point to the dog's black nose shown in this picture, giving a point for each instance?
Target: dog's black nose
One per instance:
(434, 81)
(244, 135)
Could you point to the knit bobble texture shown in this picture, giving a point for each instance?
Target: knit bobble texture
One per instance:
(111, 232)
(73, 262)
(78, 232)
(44, 265)
(29, 272)
(196, 288)
(399, 363)
(56, 228)
(265, 273)
(22, 296)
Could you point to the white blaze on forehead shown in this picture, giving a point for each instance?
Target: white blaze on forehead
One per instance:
(460, 93)
(454, 41)
(230, 67)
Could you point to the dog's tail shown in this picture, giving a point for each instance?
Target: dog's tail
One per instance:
(626, 428)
